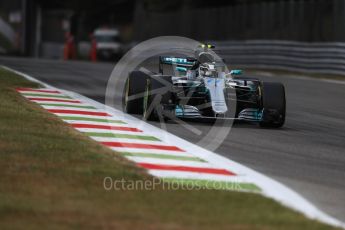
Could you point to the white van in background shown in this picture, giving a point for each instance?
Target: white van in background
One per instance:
(109, 43)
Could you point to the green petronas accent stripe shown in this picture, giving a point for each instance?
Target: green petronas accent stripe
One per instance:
(91, 119)
(72, 106)
(118, 135)
(218, 185)
(44, 95)
(162, 156)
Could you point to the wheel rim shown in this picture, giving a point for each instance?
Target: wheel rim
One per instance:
(146, 99)
(126, 95)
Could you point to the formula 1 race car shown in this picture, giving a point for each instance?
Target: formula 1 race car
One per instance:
(202, 89)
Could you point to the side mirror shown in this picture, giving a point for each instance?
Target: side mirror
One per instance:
(236, 72)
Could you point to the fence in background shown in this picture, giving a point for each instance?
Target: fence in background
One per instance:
(323, 57)
(285, 55)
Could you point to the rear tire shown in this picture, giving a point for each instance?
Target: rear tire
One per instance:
(273, 104)
(135, 86)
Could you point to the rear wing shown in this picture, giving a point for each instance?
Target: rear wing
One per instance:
(185, 62)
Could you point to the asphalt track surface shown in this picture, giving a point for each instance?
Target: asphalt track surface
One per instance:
(307, 154)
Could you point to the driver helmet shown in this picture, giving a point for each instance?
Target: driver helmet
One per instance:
(207, 70)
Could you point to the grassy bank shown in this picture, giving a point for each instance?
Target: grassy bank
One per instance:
(52, 178)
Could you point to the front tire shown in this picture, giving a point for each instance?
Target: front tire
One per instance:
(273, 104)
(157, 94)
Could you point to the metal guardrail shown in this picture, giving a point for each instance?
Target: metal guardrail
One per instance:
(322, 57)
(7, 31)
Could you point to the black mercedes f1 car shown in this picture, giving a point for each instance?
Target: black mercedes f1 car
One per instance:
(201, 88)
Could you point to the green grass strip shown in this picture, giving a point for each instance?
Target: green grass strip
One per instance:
(72, 106)
(118, 135)
(44, 95)
(162, 156)
(91, 119)
(218, 185)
